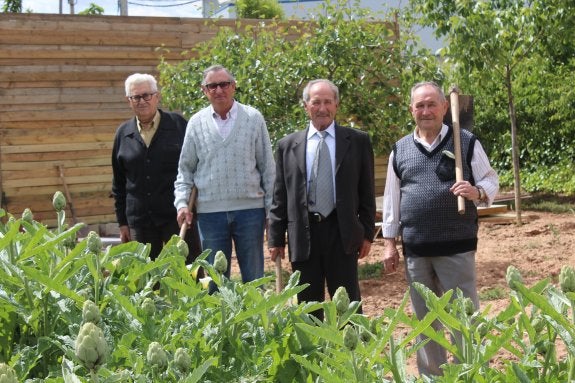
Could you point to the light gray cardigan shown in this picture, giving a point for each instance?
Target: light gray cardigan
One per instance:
(235, 173)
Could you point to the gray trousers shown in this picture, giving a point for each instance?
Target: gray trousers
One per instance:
(439, 274)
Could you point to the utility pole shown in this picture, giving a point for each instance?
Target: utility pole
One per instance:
(123, 7)
(72, 3)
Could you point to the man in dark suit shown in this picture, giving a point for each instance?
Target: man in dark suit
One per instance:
(324, 246)
(145, 164)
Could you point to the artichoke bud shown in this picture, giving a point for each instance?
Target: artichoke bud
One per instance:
(182, 359)
(90, 312)
(94, 243)
(156, 355)
(350, 338)
(341, 300)
(567, 279)
(513, 277)
(27, 215)
(220, 262)
(59, 201)
(7, 374)
(91, 347)
(148, 306)
(182, 247)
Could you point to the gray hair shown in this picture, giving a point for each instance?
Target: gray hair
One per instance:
(431, 84)
(333, 87)
(217, 68)
(140, 78)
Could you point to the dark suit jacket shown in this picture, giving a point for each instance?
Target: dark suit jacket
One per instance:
(143, 184)
(355, 195)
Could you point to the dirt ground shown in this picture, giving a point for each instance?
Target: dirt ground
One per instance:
(539, 248)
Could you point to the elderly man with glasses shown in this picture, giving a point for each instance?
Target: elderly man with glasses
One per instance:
(227, 156)
(145, 164)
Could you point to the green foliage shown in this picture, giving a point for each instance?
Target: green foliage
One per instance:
(93, 9)
(272, 62)
(259, 9)
(370, 270)
(243, 332)
(493, 293)
(12, 6)
(551, 203)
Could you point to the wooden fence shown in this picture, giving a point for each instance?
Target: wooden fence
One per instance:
(62, 98)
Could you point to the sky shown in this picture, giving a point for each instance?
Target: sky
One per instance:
(160, 8)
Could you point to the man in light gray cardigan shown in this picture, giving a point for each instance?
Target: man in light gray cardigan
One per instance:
(227, 156)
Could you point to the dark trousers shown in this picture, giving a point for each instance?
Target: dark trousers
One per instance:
(158, 235)
(327, 264)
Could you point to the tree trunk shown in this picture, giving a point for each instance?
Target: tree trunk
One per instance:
(514, 147)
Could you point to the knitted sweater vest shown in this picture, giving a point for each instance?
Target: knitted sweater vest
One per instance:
(429, 220)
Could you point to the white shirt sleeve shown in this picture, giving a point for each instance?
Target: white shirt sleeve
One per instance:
(391, 197)
(484, 174)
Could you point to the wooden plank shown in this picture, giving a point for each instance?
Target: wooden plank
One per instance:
(493, 209)
(40, 173)
(16, 53)
(63, 107)
(62, 147)
(100, 198)
(75, 73)
(53, 156)
(505, 219)
(95, 84)
(10, 126)
(14, 193)
(21, 184)
(85, 115)
(58, 135)
(50, 164)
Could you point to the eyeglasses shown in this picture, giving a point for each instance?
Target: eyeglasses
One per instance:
(214, 85)
(145, 97)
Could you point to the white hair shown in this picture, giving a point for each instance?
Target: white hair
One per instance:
(139, 78)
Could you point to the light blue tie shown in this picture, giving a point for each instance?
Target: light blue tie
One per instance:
(321, 183)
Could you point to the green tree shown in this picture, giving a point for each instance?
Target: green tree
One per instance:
(491, 39)
(12, 6)
(259, 9)
(273, 61)
(93, 9)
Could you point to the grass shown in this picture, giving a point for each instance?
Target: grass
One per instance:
(557, 204)
(370, 270)
(493, 293)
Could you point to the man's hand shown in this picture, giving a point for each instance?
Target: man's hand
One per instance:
(466, 190)
(390, 256)
(364, 249)
(184, 215)
(277, 251)
(125, 234)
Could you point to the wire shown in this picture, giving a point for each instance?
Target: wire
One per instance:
(166, 5)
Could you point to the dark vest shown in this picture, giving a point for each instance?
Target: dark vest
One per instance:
(429, 220)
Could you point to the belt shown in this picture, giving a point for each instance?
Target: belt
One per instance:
(316, 217)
